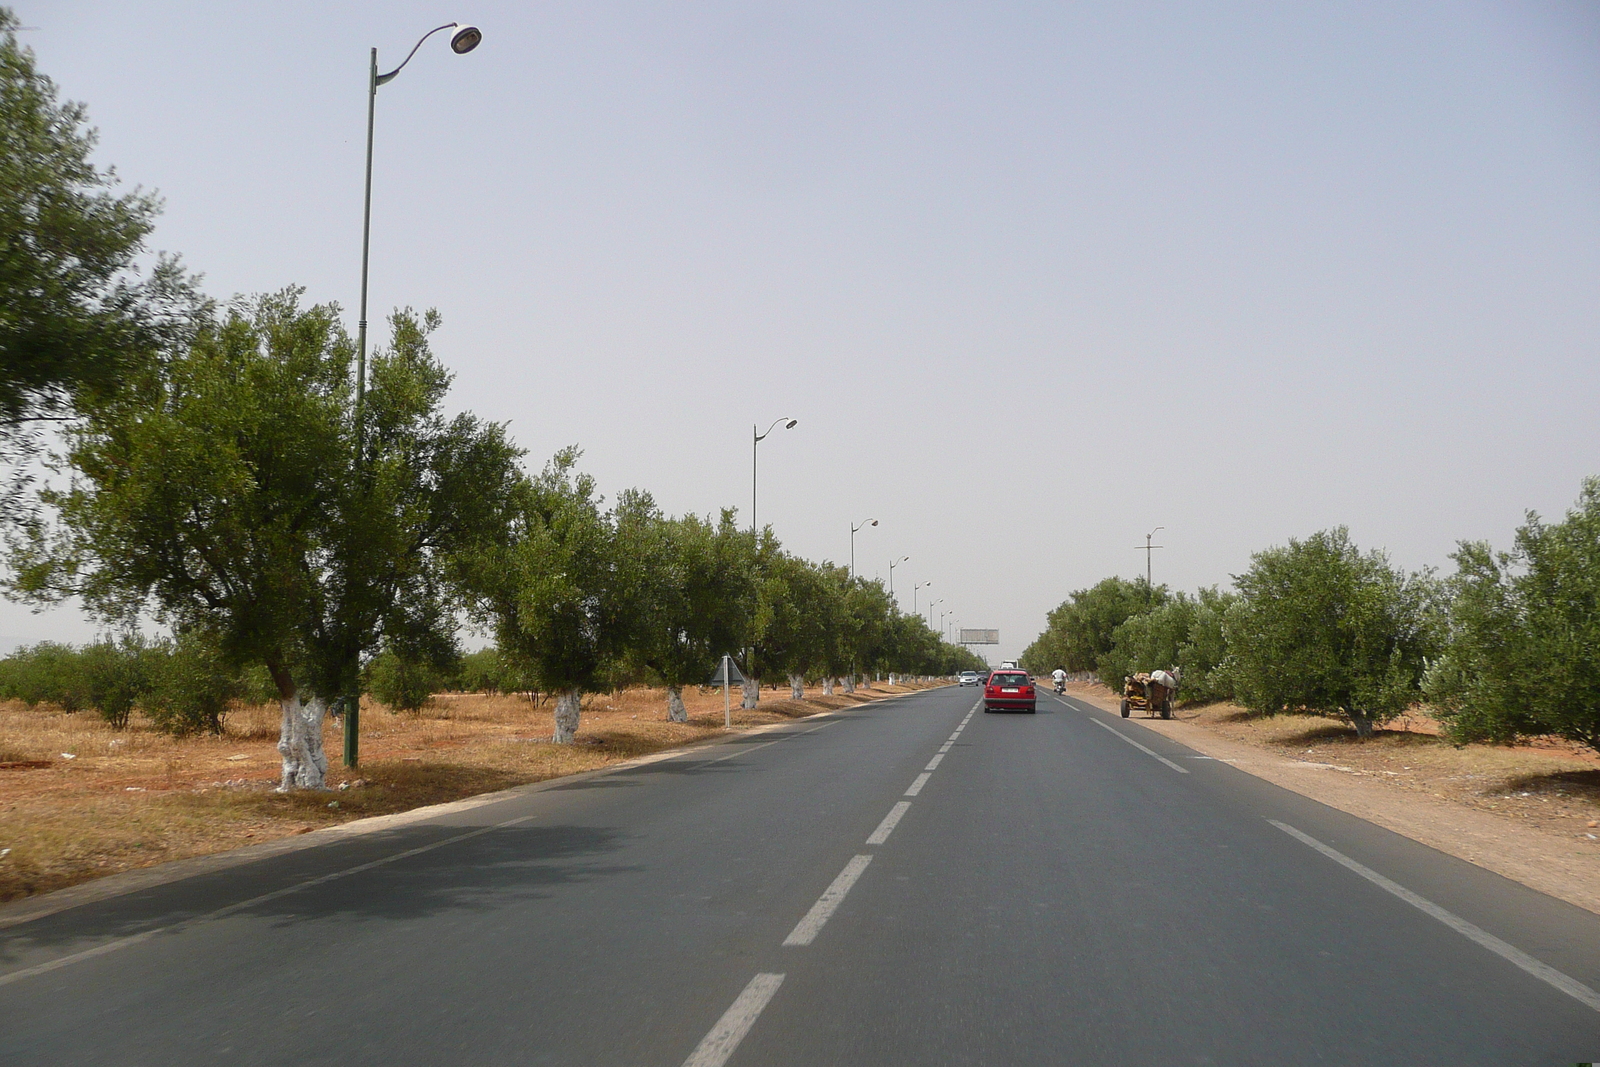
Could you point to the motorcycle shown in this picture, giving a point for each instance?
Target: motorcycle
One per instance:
(1061, 688)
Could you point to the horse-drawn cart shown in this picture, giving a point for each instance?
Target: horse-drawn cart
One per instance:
(1150, 693)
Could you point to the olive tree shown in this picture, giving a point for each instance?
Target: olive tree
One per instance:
(221, 490)
(1322, 627)
(1522, 650)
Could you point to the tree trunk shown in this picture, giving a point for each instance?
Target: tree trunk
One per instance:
(797, 687)
(567, 708)
(866, 681)
(827, 685)
(305, 765)
(676, 712)
(1362, 723)
(850, 682)
(752, 692)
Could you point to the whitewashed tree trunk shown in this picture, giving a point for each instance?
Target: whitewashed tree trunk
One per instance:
(675, 709)
(850, 682)
(866, 682)
(894, 679)
(305, 765)
(827, 685)
(752, 693)
(797, 687)
(567, 708)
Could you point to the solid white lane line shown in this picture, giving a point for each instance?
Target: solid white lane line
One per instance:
(125, 942)
(715, 1048)
(890, 821)
(933, 764)
(806, 930)
(1542, 971)
(765, 744)
(1141, 748)
(916, 786)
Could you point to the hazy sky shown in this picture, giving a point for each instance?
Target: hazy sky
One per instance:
(1034, 278)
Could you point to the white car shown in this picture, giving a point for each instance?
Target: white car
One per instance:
(971, 678)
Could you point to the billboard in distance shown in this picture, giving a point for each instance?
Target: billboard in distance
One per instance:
(980, 637)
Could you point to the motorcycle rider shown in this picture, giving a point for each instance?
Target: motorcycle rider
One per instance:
(1060, 677)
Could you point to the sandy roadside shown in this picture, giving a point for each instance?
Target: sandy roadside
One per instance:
(1551, 863)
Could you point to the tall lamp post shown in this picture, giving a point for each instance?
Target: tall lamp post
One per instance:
(931, 606)
(462, 41)
(756, 439)
(893, 563)
(853, 531)
(914, 588)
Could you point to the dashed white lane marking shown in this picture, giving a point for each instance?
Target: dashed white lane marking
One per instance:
(945, 747)
(916, 786)
(955, 735)
(933, 764)
(715, 1048)
(890, 821)
(806, 929)
(1542, 971)
(1148, 752)
(126, 942)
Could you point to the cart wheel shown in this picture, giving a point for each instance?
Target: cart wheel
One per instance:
(1124, 709)
(1166, 709)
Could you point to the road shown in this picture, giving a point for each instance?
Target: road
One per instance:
(953, 888)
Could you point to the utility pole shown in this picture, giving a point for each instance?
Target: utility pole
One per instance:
(1148, 548)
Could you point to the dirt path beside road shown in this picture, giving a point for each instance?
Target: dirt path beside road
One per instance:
(1529, 814)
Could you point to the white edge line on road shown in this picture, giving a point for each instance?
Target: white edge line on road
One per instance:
(806, 930)
(916, 786)
(933, 764)
(1148, 752)
(223, 912)
(1542, 971)
(715, 1048)
(764, 744)
(886, 827)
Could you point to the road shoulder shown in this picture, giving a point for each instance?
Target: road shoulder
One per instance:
(1549, 863)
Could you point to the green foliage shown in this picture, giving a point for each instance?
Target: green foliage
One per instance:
(558, 601)
(1204, 652)
(1522, 652)
(46, 673)
(1150, 640)
(193, 684)
(402, 684)
(221, 490)
(118, 675)
(75, 313)
(1082, 628)
(1323, 627)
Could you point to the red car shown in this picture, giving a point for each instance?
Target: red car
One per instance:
(1009, 691)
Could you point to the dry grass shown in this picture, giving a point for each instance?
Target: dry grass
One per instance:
(82, 800)
(1549, 783)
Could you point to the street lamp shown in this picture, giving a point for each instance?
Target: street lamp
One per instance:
(853, 531)
(914, 588)
(931, 606)
(462, 41)
(893, 563)
(756, 439)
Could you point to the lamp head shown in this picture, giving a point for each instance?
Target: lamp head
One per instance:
(791, 424)
(465, 39)
(874, 522)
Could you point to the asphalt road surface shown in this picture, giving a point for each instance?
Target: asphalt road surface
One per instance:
(908, 882)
